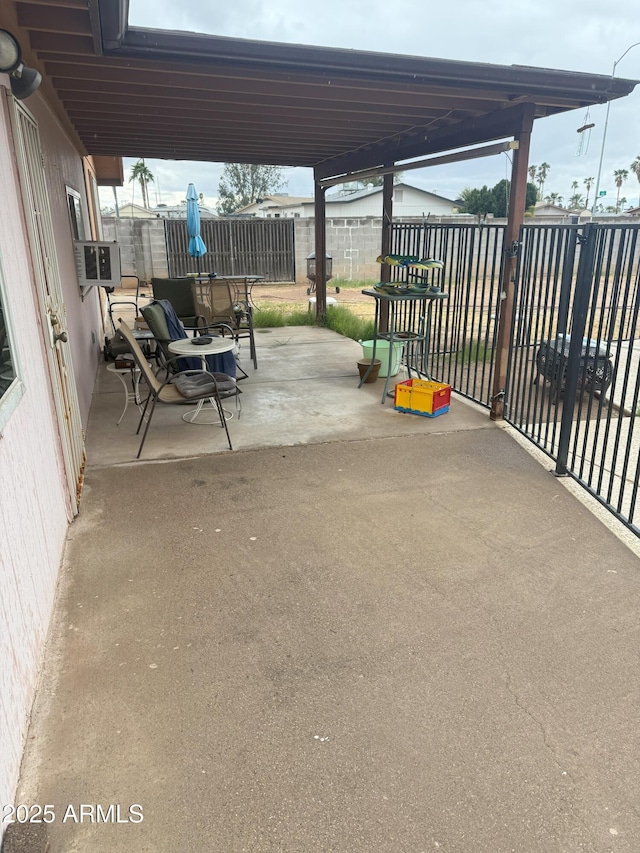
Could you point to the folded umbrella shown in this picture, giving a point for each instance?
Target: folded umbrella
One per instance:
(197, 247)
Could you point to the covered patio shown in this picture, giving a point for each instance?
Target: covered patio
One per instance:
(361, 630)
(131, 91)
(395, 635)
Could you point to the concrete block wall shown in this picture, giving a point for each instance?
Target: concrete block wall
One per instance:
(143, 250)
(354, 245)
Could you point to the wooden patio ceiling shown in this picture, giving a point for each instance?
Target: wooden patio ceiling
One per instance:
(182, 96)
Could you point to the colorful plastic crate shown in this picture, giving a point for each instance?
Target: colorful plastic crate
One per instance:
(422, 397)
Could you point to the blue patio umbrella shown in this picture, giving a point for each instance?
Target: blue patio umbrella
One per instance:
(197, 247)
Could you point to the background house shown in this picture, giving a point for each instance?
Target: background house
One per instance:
(135, 211)
(408, 201)
(161, 211)
(276, 206)
(545, 208)
(179, 211)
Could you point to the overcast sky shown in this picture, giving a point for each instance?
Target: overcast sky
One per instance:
(575, 35)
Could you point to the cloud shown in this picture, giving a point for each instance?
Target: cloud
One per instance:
(576, 35)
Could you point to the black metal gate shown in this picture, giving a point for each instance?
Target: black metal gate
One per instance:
(464, 326)
(573, 374)
(235, 247)
(573, 379)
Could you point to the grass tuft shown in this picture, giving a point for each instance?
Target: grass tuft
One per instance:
(339, 318)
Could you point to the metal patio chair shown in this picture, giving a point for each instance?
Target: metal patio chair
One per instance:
(182, 388)
(214, 300)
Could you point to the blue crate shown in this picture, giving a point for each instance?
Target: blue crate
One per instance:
(423, 414)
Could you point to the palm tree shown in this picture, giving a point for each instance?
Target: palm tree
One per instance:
(533, 171)
(588, 182)
(620, 176)
(635, 168)
(141, 174)
(576, 202)
(542, 173)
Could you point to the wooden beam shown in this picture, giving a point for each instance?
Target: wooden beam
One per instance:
(517, 202)
(98, 92)
(75, 45)
(386, 242)
(358, 88)
(58, 4)
(220, 80)
(216, 128)
(58, 20)
(88, 105)
(485, 128)
(456, 157)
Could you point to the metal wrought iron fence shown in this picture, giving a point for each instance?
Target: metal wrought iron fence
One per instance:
(235, 247)
(573, 383)
(574, 367)
(464, 326)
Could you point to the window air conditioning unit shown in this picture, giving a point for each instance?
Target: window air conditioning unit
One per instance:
(97, 264)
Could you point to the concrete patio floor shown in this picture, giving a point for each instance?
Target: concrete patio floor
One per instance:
(361, 631)
(305, 390)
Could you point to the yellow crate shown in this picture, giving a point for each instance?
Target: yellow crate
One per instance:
(422, 397)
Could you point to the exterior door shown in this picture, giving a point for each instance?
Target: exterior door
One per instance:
(50, 299)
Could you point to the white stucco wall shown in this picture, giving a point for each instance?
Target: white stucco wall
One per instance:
(413, 203)
(34, 511)
(63, 167)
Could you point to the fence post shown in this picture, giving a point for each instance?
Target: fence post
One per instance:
(565, 283)
(578, 324)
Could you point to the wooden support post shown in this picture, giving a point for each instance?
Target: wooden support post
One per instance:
(517, 203)
(321, 252)
(385, 248)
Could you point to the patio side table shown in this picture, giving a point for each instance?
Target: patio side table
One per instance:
(131, 395)
(409, 325)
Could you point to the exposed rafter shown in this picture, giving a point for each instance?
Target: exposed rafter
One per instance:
(151, 93)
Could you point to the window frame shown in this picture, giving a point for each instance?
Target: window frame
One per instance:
(74, 197)
(14, 393)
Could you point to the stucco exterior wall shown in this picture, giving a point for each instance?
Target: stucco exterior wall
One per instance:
(407, 202)
(33, 503)
(63, 167)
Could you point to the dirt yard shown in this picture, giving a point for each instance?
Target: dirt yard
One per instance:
(292, 296)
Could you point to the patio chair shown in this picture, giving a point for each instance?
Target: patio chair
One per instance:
(178, 292)
(214, 300)
(183, 388)
(156, 319)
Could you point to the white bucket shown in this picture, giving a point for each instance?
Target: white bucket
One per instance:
(388, 366)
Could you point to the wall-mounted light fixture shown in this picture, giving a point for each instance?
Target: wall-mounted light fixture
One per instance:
(24, 81)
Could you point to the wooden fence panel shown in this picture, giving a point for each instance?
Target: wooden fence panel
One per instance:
(235, 247)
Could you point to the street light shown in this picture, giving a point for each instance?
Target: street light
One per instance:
(604, 133)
